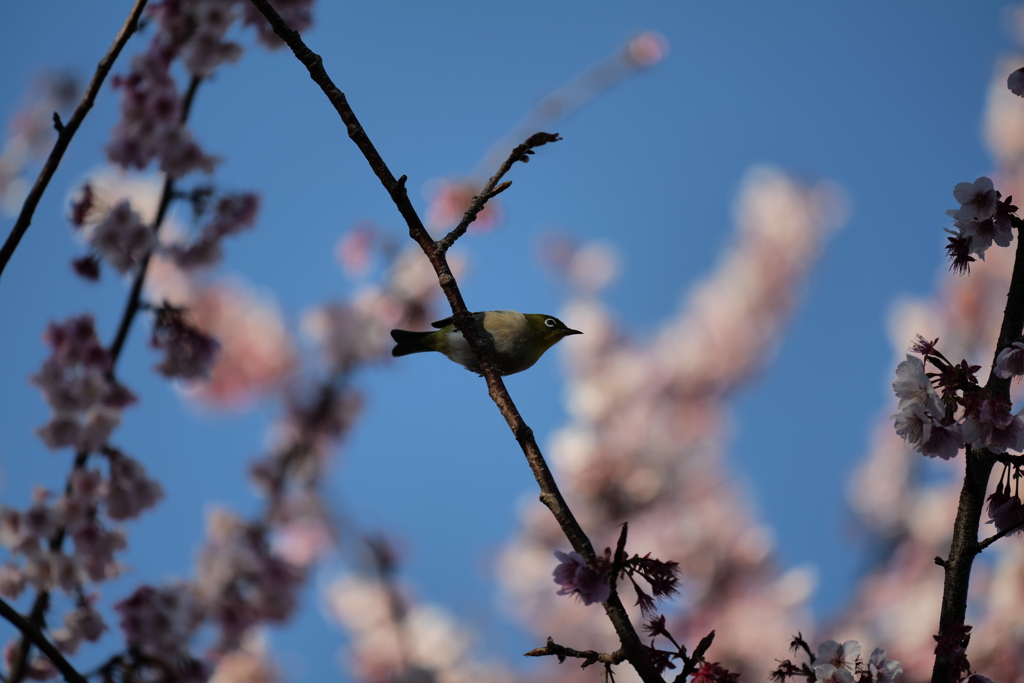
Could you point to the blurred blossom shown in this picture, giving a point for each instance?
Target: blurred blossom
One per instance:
(241, 581)
(30, 134)
(355, 332)
(647, 436)
(647, 49)
(248, 664)
(256, 352)
(355, 250)
(74, 380)
(448, 201)
(422, 643)
(159, 623)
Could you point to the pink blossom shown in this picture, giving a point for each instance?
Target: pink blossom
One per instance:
(913, 386)
(86, 402)
(12, 581)
(926, 435)
(130, 491)
(160, 621)
(978, 200)
(883, 670)
(836, 663)
(188, 352)
(575, 576)
(993, 426)
(1010, 361)
(122, 238)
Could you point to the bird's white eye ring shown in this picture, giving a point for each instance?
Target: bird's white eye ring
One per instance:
(550, 322)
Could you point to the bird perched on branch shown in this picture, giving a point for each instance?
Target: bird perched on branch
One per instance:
(517, 340)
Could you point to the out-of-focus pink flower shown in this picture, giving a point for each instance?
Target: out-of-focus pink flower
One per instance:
(129, 491)
(576, 577)
(122, 238)
(241, 582)
(256, 351)
(12, 581)
(160, 621)
(647, 49)
(232, 214)
(354, 250)
(86, 402)
(188, 353)
(449, 201)
(31, 135)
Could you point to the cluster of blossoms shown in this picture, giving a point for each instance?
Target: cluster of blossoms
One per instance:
(647, 436)
(981, 220)
(241, 580)
(76, 382)
(592, 584)
(194, 32)
(158, 624)
(35, 534)
(838, 663)
(965, 413)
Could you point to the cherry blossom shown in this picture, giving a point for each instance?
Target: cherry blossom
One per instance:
(577, 578)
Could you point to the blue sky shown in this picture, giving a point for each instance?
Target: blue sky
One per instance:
(885, 99)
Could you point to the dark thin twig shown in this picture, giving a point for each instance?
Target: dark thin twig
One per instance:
(696, 658)
(66, 132)
(992, 539)
(550, 494)
(492, 189)
(134, 298)
(589, 656)
(33, 633)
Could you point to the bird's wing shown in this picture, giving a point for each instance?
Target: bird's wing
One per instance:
(448, 321)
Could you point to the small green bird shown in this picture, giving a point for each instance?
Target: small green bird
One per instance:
(517, 340)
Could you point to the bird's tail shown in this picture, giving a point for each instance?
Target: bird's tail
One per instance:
(409, 342)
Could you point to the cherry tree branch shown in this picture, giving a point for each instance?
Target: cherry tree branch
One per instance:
(979, 463)
(66, 132)
(32, 633)
(42, 601)
(435, 252)
(588, 656)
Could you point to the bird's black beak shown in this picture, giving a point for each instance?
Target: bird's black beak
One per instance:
(568, 332)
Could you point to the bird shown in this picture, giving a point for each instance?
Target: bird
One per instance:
(517, 340)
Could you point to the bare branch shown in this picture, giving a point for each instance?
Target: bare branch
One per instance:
(32, 633)
(589, 656)
(66, 132)
(550, 494)
(491, 188)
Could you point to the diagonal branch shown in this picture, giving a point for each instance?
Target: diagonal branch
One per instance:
(66, 132)
(32, 633)
(550, 494)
